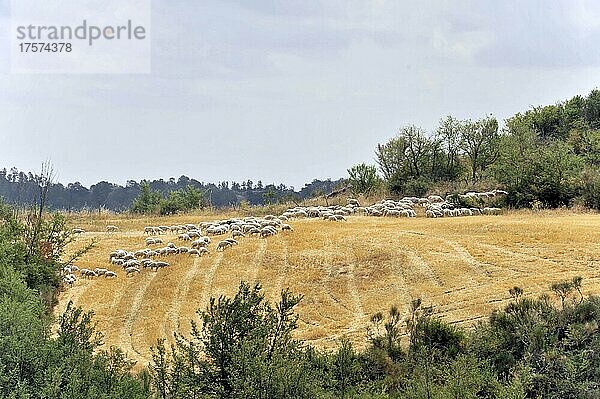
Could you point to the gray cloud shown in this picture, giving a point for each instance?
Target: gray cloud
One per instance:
(290, 91)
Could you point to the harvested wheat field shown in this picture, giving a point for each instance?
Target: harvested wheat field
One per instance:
(346, 271)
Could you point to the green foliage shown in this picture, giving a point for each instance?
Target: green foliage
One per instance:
(184, 200)
(33, 245)
(548, 156)
(479, 141)
(363, 179)
(534, 171)
(33, 365)
(591, 188)
(151, 201)
(148, 201)
(243, 349)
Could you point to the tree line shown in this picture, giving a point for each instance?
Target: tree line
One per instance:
(547, 156)
(20, 188)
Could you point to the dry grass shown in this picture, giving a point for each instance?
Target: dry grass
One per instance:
(346, 271)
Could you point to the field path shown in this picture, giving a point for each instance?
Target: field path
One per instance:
(283, 271)
(126, 335)
(174, 312)
(258, 260)
(209, 277)
(358, 316)
(422, 267)
(478, 267)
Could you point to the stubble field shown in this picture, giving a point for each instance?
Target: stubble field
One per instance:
(346, 271)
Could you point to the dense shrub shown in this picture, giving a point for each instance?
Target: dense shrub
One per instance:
(152, 202)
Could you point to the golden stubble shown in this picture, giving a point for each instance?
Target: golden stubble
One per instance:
(346, 271)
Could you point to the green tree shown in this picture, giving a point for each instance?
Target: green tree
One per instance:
(479, 141)
(243, 349)
(148, 201)
(183, 200)
(363, 179)
(449, 133)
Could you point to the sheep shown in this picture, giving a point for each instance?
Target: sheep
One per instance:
(286, 227)
(88, 273)
(183, 250)
(140, 253)
(70, 279)
(198, 243)
(184, 237)
(100, 272)
(118, 262)
(491, 211)
(153, 240)
(237, 233)
(131, 270)
(353, 202)
(435, 198)
(131, 263)
(221, 246)
(110, 274)
(111, 229)
(119, 253)
(267, 231)
(77, 230)
(159, 265)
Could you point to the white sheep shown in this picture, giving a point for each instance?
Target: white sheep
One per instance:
(131, 270)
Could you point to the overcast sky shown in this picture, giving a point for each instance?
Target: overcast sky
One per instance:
(286, 91)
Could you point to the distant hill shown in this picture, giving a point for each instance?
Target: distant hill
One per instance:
(20, 188)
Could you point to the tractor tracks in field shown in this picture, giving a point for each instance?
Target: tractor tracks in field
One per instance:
(259, 256)
(173, 313)
(283, 270)
(126, 340)
(481, 269)
(358, 312)
(209, 277)
(422, 268)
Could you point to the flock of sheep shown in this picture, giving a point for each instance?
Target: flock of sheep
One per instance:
(199, 236)
(435, 206)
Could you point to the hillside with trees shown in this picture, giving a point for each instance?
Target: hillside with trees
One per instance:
(547, 156)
